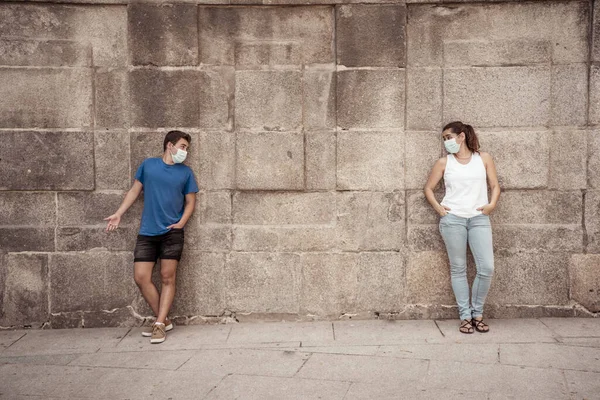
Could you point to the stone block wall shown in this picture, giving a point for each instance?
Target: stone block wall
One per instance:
(314, 124)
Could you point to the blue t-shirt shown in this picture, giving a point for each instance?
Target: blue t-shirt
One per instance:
(165, 187)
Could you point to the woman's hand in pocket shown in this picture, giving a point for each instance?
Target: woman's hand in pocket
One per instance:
(487, 209)
(443, 211)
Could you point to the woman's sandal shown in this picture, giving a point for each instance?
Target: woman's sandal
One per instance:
(466, 327)
(480, 326)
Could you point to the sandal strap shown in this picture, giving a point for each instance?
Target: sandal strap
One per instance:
(466, 323)
(479, 323)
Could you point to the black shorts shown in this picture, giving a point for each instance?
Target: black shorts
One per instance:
(167, 246)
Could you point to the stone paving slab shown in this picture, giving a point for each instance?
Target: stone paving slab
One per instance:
(281, 332)
(548, 355)
(584, 341)
(52, 359)
(583, 385)
(569, 327)
(478, 353)
(7, 338)
(501, 331)
(160, 360)
(385, 332)
(392, 391)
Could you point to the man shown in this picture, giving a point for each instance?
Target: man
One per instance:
(169, 199)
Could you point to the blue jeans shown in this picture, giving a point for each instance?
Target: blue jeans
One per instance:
(477, 232)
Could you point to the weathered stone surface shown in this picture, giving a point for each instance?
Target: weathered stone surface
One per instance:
(112, 98)
(418, 209)
(40, 52)
(428, 278)
(91, 281)
(25, 290)
(270, 160)
(200, 284)
(104, 28)
(522, 278)
(584, 277)
(46, 160)
(214, 207)
(247, 275)
(496, 52)
(284, 208)
(284, 238)
(569, 94)
(517, 151)
(217, 91)
(27, 239)
(568, 160)
(429, 28)
(217, 160)
(96, 238)
(381, 282)
(384, 90)
(318, 99)
(594, 111)
(77, 209)
(212, 237)
(320, 158)
(539, 207)
(425, 238)
(329, 283)
(505, 97)
(593, 167)
(592, 220)
(150, 144)
(370, 161)
(548, 237)
(268, 100)
(165, 34)
(424, 98)
(111, 167)
(596, 33)
(371, 35)
(370, 220)
(27, 208)
(56, 98)
(164, 98)
(266, 36)
(421, 151)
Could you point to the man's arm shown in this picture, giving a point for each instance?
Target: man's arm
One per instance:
(130, 197)
(190, 204)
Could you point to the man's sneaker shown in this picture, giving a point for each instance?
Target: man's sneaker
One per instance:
(158, 333)
(148, 331)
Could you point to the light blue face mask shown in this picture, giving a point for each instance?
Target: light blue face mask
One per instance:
(451, 146)
(179, 157)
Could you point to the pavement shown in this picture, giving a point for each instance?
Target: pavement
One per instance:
(547, 358)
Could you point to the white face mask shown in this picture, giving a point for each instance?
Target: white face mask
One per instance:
(179, 157)
(451, 146)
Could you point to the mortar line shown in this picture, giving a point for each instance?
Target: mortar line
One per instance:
(439, 329)
(229, 334)
(25, 334)
(303, 364)
(347, 391)
(333, 330)
(217, 385)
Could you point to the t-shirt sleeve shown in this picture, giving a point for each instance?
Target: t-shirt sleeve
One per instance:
(139, 175)
(190, 184)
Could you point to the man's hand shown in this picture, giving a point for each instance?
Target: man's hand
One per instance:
(178, 225)
(113, 222)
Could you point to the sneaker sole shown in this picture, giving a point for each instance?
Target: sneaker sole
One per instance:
(155, 341)
(149, 334)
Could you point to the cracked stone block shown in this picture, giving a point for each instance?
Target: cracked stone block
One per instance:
(422, 150)
(530, 278)
(200, 284)
(47, 53)
(460, 29)
(248, 274)
(498, 96)
(46, 160)
(270, 161)
(592, 220)
(428, 278)
(112, 98)
(567, 160)
(25, 290)
(217, 160)
(256, 36)
(370, 221)
(320, 160)
(27, 208)
(370, 98)
(370, 161)
(268, 100)
(594, 110)
(318, 99)
(91, 281)
(539, 207)
(45, 98)
(516, 151)
(165, 34)
(111, 169)
(424, 98)
(569, 94)
(103, 28)
(381, 283)
(593, 167)
(217, 96)
(162, 98)
(584, 276)
(371, 35)
(284, 208)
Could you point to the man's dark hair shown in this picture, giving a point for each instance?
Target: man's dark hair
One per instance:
(174, 136)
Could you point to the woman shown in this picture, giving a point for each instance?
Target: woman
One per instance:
(464, 213)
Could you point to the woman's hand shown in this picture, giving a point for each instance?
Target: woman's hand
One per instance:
(443, 210)
(487, 209)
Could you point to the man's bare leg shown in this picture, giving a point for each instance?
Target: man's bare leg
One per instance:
(142, 274)
(168, 270)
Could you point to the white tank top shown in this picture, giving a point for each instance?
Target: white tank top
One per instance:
(466, 186)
